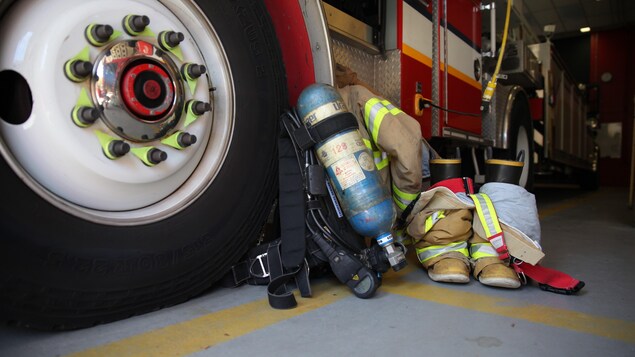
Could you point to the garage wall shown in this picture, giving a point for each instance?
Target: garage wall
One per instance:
(614, 52)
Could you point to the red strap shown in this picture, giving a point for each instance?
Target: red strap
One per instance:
(498, 242)
(456, 185)
(550, 279)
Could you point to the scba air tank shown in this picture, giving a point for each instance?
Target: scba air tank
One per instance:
(365, 201)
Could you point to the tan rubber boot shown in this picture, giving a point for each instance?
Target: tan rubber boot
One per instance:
(492, 272)
(449, 270)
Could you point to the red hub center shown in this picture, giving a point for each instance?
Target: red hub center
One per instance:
(147, 90)
(152, 89)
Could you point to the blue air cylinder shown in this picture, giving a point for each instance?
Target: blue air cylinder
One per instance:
(365, 201)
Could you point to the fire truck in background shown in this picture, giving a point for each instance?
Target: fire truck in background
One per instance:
(138, 138)
(442, 54)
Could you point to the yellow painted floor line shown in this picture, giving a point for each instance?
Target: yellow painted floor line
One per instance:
(212, 329)
(516, 309)
(548, 211)
(206, 331)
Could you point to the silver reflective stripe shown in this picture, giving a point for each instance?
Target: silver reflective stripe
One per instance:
(372, 115)
(379, 156)
(390, 107)
(436, 216)
(433, 219)
(401, 200)
(436, 250)
(486, 215)
(479, 250)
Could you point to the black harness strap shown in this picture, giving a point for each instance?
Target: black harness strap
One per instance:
(307, 137)
(292, 206)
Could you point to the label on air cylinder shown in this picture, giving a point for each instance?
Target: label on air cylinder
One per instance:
(348, 172)
(366, 161)
(324, 112)
(339, 147)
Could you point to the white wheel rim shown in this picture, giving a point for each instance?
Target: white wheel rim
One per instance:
(523, 144)
(63, 162)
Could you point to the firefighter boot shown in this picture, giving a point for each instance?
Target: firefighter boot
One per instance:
(449, 270)
(491, 271)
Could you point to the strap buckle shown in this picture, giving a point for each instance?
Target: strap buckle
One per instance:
(521, 274)
(265, 273)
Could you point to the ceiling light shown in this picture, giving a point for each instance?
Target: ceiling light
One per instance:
(585, 29)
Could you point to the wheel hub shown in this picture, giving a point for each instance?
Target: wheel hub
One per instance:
(138, 87)
(147, 91)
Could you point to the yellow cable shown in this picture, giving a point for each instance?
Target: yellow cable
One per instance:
(489, 91)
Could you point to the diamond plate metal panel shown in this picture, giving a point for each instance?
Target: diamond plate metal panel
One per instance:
(382, 74)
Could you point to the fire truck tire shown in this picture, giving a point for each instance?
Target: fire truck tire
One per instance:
(521, 139)
(60, 271)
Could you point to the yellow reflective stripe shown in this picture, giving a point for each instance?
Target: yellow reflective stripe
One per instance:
(368, 143)
(375, 122)
(374, 112)
(367, 110)
(427, 253)
(402, 198)
(487, 216)
(383, 163)
(381, 159)
(404, 195)
(482, 250)
(399, 203)
(479, 211)
(492, 212)
(433, 219)
(391, 108)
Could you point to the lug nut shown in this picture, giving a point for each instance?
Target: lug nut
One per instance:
(77, 70)
(88, 114)
(198, 107)
(82, 68)
(84, 116)
(180, 140)
(194, 109)
(170, 39)
(112, 147)
(118, 148)
(192, 71)
(150, 155)
(135, 24)
(156, 156)
(186, 139)
(98, 35)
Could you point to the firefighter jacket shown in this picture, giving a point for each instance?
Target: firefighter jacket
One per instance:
(394, 138)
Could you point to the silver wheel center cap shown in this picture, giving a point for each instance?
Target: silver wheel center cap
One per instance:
(137, 85)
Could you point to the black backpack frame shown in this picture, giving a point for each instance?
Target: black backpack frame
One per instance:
(314, 236)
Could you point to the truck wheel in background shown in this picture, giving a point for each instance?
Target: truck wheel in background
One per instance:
(87, 238)
(521, 137)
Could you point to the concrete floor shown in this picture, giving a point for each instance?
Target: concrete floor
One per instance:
(590, 236)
